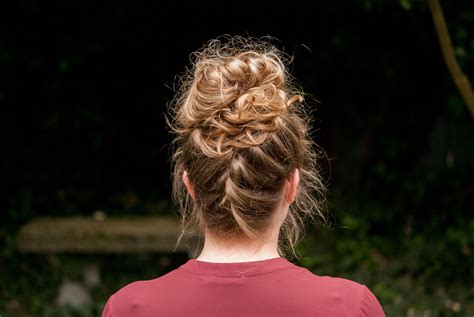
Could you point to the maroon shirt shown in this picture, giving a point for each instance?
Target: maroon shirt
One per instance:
(272, 287)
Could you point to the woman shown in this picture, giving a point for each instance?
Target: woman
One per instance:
(245, 178)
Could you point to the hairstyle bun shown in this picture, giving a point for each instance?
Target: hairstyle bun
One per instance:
(239, 94)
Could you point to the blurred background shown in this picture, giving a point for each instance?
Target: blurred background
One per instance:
(84, 88)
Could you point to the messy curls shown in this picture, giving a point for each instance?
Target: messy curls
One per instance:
(241, 128)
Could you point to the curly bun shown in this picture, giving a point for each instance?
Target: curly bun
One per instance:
(240, 130)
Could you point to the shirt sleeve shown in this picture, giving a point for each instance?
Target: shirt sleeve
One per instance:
(369, 306)
(107, 312)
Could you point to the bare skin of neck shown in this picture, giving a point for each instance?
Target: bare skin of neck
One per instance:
(244, 249)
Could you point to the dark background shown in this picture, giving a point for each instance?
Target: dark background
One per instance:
(84, 88)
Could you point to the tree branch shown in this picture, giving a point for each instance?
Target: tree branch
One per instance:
(461, 81)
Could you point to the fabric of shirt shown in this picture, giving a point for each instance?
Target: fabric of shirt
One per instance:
(271, 287)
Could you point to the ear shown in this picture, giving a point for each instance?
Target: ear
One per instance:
(292, 186)
(188, 184)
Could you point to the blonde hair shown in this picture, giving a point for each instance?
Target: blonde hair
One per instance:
(241, 128)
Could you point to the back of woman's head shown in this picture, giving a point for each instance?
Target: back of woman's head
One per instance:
(241, 130)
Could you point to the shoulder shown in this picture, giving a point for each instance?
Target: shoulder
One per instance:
(342, 285)
(126, 300)
(354, 298)
(368, 304)
(139, 289)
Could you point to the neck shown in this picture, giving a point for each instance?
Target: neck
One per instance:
(244, 249)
